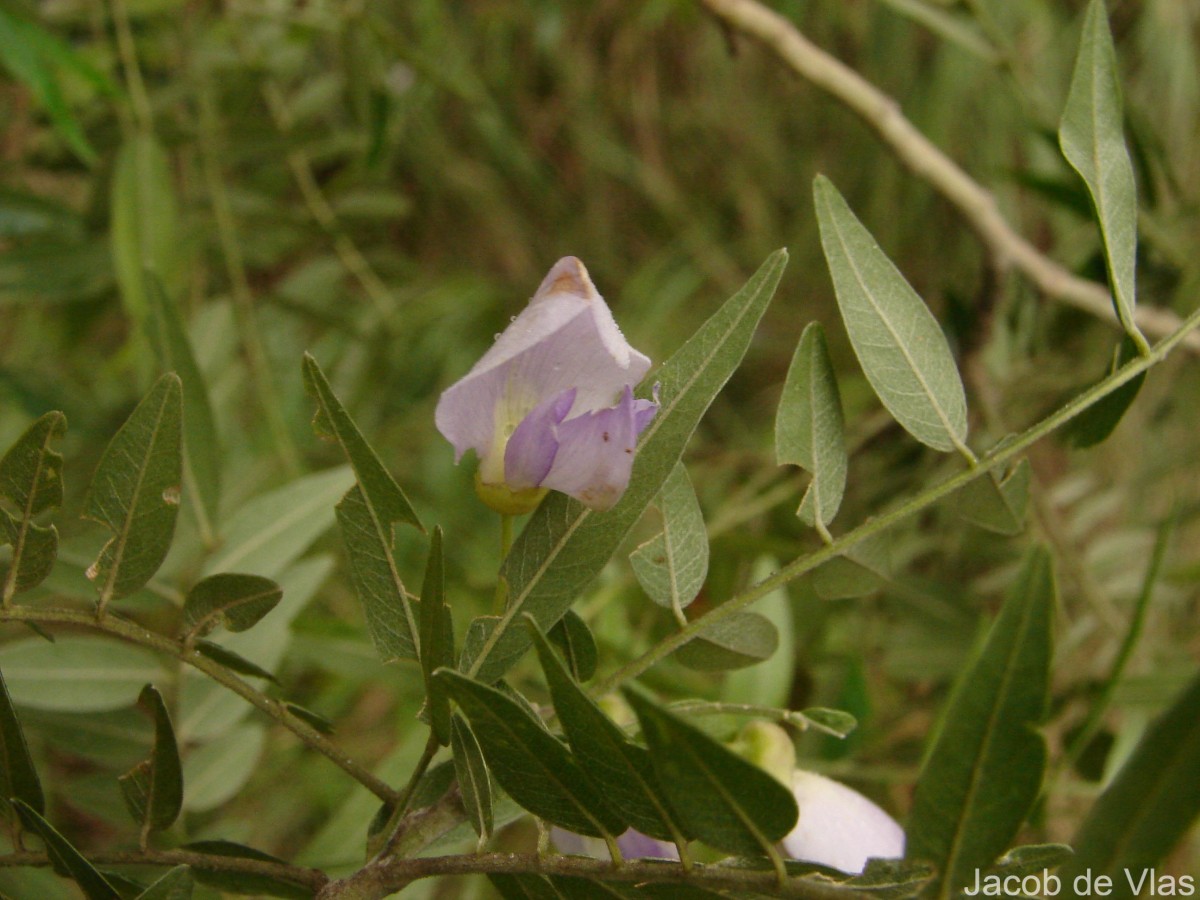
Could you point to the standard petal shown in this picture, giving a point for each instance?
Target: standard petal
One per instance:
(636, 845)
(531, 449)
(595, 454)
(838, 826)
(566, 337)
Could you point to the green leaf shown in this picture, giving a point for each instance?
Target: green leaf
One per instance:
(897, 340)
(532, 766)
(740, 640)
(175, 884)
(202, 448)
(232, 661)
(810, 429)
(575, 642)
(241, 882)
(717, 796)
(77, 673)
(214, 772)
(1149, 805)
(153, 789)
(31, 478)
(385, 497)
(236, 601)
(1092, 138)
(437, 637)
(64, 857)
(145, 221)
(1096, 423)
(274, 529)
(1031, 859)
(473, 780)
(316, 720)
(672, 565)
(34, 56)
(862, 570)
(984, 771)
(18, 776)
(997, 503)
(135, 492)
(564, 545)
(619, 767)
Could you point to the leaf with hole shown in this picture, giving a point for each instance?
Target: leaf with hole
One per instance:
(715, 795)
(903, 352)
(564, 545)
(984, 771)
(810, 429)
(31, 479)
(135, 492)
(672, 565)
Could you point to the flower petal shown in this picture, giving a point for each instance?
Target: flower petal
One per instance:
(566, 337)
(595, 452)
(838, 826)
(531, 449)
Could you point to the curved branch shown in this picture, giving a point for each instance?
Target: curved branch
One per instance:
(134, 633)
(929, 163)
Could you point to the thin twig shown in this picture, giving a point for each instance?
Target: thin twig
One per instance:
(927, 161)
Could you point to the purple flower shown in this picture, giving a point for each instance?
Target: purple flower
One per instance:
(550, 406)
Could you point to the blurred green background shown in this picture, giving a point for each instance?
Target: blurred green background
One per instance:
(385, 183)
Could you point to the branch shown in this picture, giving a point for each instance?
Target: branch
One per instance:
(313, 879)
(925, 160)
(134, 633)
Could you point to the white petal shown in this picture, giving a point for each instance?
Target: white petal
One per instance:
(838, 826)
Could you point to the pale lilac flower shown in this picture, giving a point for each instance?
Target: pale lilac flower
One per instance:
(550, 406)
(839, 827)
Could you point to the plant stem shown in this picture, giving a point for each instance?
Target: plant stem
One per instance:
(134, 633)
(909, 508)
(143, 115)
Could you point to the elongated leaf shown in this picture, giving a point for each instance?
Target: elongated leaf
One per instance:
(1150, 804)
(236, 601)
(897, 340)
(737, 641)
(565, 545)
(1091, 135)
(672, 565)
(145, 221)
(473, 780)
(1031, 859)
(135, 492)
(437, 637)
(18, 777)
(1096, 423)
(175, 884)
(202, 445)
(717, 796)
(153, 788)
(997, 503)
(316, 720)
(575, 642)
(31, 478)
(528, 762)
(810, 431)
(64, 857)
(242, 882)
(985, 769)
(77, 673)
(619, 767)
(232, 661)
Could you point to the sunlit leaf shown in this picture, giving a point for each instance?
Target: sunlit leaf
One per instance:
(1149, 805)
(1092, 138)
(621, 768)
(473, 780)
(532, 766)
(64, 857)
(810, 429)
(18, 777)
(717, 796)
(31, 478)
(897, 340)
(742, 639)
(153, 789)
(135, 492)
(236, 601)
(672, 565)
(564, 545)
(984, 771)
